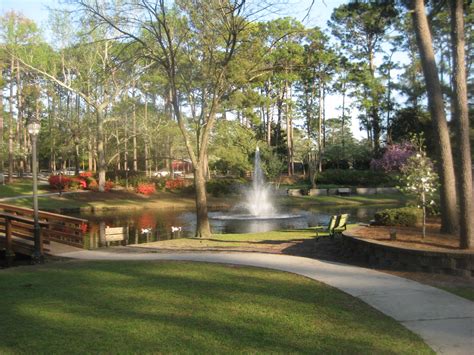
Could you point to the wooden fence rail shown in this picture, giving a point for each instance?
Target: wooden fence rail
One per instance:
(16, 229)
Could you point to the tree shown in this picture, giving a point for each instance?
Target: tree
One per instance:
(461, 118)
(96, 75)
(436, 106)
(194, 43)
(318, 68)
(16, 32)
(231, 146)
(361, 27)
(418, 178)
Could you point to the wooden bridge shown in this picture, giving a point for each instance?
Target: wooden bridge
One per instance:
(17, 224)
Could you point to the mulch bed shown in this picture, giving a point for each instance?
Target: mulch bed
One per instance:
(411, 237)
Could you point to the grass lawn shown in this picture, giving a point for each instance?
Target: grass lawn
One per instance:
(137, 307)
(111, 200)
(266, 241)
(461, 291)
(21, 187)
(353, 200)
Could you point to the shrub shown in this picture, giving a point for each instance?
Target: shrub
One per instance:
(146, 188)
(219, 187)
(59, 182)
(92, 183)
(395, 156)
(86, 174)
(108, 186)
(174, 184)
(159, 183)
(405, 216)
(77, 183)
(362, 178)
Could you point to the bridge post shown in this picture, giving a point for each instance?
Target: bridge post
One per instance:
(9, 253)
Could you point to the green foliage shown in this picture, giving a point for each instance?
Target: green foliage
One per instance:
(134, 177)
(221, 187)
(231, 148)
(272, 164)
(409, 121)
(349, 177)
(405, 216)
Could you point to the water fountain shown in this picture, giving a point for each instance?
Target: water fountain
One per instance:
(257, 205)
(258, 199)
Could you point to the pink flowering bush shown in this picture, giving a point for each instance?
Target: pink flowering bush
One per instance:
(395, 156)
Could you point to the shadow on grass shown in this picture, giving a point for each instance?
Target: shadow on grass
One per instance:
(185, 307)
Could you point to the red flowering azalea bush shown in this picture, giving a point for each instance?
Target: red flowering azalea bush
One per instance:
(174, 184)
(146, 188)
(59, 182)
(77, 183)
(86, 174)
(108, 186)
(92, 184)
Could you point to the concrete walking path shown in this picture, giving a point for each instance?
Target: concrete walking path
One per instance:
(445, 321)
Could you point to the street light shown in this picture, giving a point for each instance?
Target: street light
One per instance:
(33, 129)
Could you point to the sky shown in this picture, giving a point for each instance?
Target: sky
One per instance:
(320, 13)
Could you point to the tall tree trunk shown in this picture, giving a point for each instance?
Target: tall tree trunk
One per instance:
(203, 228)
(320, 127)
(10, 123)
(125, 150)
(51, 116)
(102, 166)
(145, 143)
(1, 124)
(117, 142)
(343, 120)
(134, 139)
(279, 114)
(461, 117)
(20, 132)
(269, 116)
(436, 105)
(77, 140)
(289, 127)
(374, 114)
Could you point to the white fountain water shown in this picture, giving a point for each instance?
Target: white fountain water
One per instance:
(257, 209)
(258, 199)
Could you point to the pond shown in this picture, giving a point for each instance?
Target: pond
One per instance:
(144, 226)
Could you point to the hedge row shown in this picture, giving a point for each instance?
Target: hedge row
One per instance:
(360, 178)
(405, 216)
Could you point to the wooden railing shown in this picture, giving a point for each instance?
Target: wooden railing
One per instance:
(16, 226)
(18, 234)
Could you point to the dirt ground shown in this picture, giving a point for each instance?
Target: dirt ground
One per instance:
(411, 237)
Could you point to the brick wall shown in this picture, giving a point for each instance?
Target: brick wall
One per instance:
(457, 263)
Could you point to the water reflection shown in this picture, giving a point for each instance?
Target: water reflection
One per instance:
(144, 226)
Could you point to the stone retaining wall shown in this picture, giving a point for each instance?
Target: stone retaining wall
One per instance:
(335, 191)
(457, 263)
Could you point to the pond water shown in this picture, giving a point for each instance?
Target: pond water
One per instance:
(143, 226)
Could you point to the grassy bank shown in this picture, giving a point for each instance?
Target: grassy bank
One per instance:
(353, 200)
(273, 241)
(149, 307)
(21, 187)
(121, 199)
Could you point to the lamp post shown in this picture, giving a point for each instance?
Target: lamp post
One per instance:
(33, 129)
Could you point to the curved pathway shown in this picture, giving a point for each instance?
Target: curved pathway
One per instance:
(445, 321)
